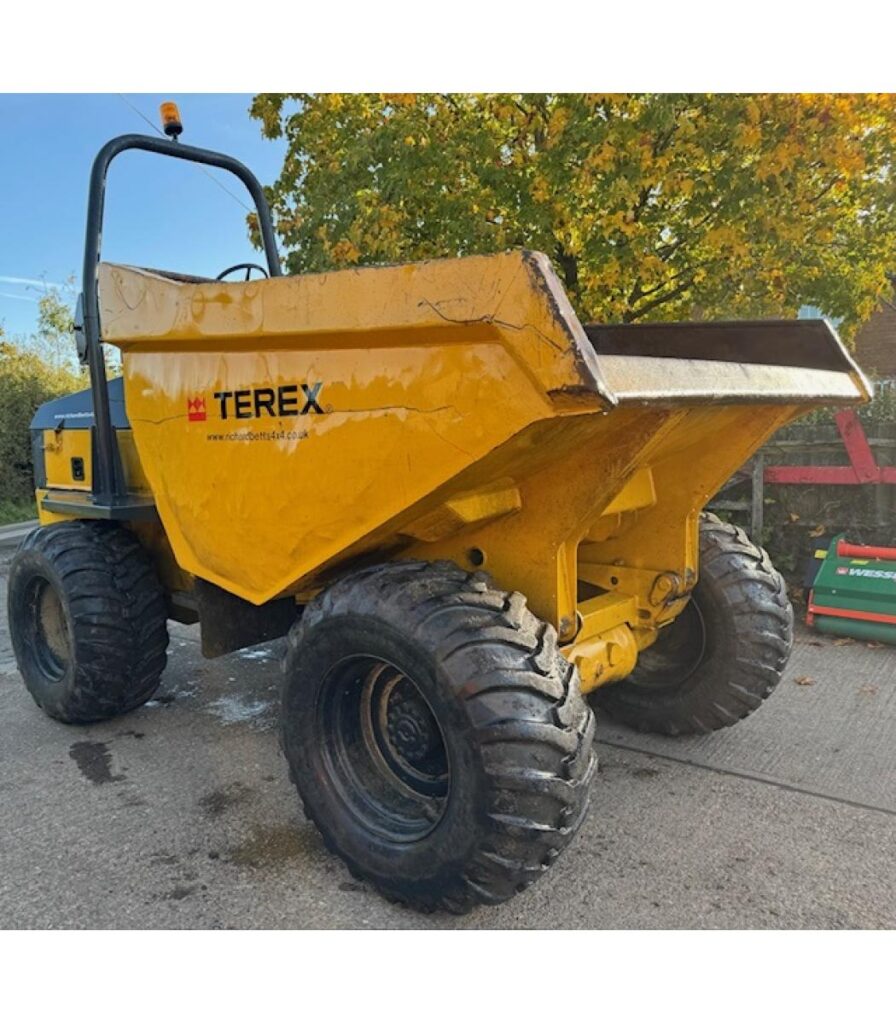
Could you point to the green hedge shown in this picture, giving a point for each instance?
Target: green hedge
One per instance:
(876, 415)
(26, 381)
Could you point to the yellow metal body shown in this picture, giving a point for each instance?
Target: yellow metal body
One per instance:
(60, 448)
(291, 428)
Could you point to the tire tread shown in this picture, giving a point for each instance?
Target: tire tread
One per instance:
(537, 763)
(118, 618)
(760, 619)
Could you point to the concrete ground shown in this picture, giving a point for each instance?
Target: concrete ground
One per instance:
(181, 815)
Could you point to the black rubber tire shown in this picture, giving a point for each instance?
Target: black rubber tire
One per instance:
(517, 733)
(746, 624)
(110, 646)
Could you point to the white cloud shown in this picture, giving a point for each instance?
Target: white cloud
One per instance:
(21, 298)
(30, 281)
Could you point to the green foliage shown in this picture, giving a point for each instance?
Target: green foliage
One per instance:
(650, 205)
(17, 510)
(54, 340)
(880, 411)
(26, 381)
(56, 327)
(882, 408)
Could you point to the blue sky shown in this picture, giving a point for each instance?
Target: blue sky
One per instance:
(159, 213)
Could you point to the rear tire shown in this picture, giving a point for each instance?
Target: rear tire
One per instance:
(437, 737)
(87, 619)
(723, 655)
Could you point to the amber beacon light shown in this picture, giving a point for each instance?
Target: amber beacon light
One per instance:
(171, 122)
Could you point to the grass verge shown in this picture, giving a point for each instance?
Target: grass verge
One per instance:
(16, 510)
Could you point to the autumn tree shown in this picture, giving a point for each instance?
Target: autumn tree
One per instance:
(27, 380)
(652, 206)
(54, 339)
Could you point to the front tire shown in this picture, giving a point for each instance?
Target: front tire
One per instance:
(87, 620)
(437, 737)
(723, 655)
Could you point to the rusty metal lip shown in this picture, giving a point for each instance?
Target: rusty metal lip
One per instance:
(657, 381)
(800, 346)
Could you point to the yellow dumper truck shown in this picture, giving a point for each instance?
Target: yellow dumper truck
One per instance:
(463, 508)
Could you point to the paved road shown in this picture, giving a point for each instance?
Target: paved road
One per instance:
(181, 814)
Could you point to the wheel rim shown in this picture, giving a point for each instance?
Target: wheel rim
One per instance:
(383, 748)
(50, 637)
(677, 654)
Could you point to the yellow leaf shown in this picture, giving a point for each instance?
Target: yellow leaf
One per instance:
(345, 251)
(748, 136)
(558, 121)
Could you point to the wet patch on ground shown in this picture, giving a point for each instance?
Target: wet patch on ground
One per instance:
(94, 761)
(352, 887)
(272, 846)
(168, 859)
(180, 892)
(214, 803)
(132, 800)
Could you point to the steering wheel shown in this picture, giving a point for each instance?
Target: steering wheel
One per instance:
(248, 267)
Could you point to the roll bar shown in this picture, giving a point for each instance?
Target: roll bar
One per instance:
(108, 487)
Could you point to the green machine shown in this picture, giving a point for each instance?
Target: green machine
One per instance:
(854, 593)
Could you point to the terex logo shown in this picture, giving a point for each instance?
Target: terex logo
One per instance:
(195, 409)
(282, 401)
(252, 403)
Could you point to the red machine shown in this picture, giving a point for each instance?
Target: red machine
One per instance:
(862, 468)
